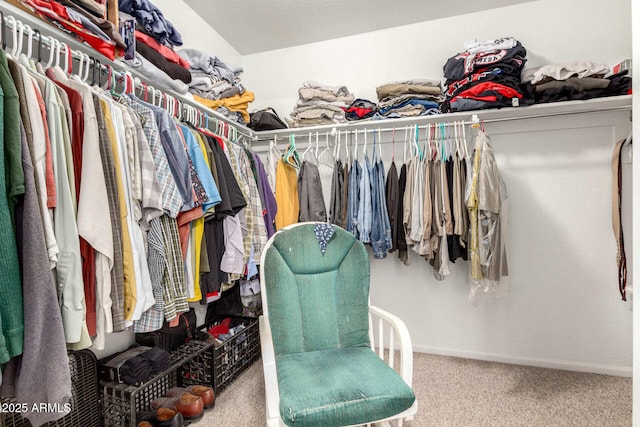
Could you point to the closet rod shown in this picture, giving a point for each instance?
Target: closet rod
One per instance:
(50, 37)
(557, 109)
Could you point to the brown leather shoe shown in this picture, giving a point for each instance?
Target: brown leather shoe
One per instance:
(189, 405)
(168, 417)
(206, 393)
(174, 391)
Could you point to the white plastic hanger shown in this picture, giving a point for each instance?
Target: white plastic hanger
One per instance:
(52, 51)
(17, 41)
(326, 149)
(309, 145)
(364, 147)
(355, 147)
(86, 72)
(29, 33)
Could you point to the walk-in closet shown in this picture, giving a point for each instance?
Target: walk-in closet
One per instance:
(219, 213)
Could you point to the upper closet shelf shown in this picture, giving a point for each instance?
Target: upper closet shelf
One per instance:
(614, 103)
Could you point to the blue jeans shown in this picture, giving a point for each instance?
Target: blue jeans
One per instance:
(364, 207)
(380, 228)
(353, 198)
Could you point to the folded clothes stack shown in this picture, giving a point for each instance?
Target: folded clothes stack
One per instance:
(485, 75)
(360, 109)
(81, 18)
(408, 98)
(217, 85)
(152, 21)
(144, 366)
(155, 38)
(320, 104)
(574, 81)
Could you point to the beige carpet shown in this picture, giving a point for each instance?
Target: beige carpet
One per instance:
(469, 393)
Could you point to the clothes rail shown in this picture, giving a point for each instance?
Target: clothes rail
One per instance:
(16, 25)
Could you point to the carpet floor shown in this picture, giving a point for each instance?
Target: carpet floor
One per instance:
(468, 393)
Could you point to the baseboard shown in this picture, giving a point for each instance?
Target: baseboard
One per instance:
(568, 365)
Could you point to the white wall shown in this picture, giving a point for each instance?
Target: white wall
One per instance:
(564, 310)
(196, 33)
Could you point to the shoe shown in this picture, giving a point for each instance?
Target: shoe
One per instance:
(168, 417)
(189, 405)
(206, 393)
(146, 419)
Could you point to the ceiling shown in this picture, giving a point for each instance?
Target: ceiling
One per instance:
(253, 26)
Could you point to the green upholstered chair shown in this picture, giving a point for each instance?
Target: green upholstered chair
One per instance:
(323, 345)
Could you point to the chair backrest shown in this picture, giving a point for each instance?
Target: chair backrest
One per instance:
(315, 301)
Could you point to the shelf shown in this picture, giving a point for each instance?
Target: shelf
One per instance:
(616, 103)
(554, 109)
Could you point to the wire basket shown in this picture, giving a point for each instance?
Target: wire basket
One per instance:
(122, 403)
(85, 397)
(229, 358)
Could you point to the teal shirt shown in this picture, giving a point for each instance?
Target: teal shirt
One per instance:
(11, 308)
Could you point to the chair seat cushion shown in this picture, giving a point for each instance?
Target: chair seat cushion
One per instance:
(339, 387)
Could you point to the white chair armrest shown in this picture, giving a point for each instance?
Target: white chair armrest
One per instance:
(272, 392)
(397, 330)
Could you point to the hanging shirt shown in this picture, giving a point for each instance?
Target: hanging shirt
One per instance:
(380, 227)
(69, 267)
(175, 153)
(392, 194)
(335, 204)
(425, 247)
(311, 201)
(408, 200)
(140, 283)
(44, 372)
(94, 216)
(113, 201)
(364, 207)
(272, 163)
(286, 195)
(171, 197)
(34, 128)
(353, 201)
(269, 207)
(150, 195)
(204, 173)
(11, 309)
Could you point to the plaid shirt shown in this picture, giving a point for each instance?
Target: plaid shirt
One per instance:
(171, 198)
(258, 231)
(153, 319)
(174, 290)
(117, 272)
(151, 197)
(167, 275)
